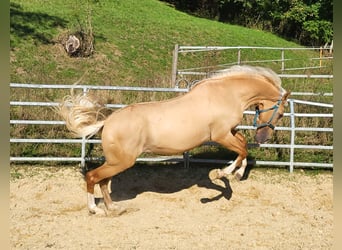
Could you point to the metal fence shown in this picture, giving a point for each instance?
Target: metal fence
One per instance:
(82, 158)
(284, 61)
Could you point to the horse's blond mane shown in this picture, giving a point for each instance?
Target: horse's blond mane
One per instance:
(238, 70)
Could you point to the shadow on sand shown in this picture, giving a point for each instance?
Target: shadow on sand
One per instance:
(169, 178)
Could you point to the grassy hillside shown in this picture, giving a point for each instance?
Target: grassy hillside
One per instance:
(133, 40)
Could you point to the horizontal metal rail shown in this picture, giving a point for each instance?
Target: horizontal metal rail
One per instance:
(95, 87)
(246, 127)
(184, 72)
(187, 49)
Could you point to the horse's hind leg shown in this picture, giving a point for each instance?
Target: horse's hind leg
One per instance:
(102, 175)
(104, 189)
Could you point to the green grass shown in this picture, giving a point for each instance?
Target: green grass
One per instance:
(133, 47)
(133, 40)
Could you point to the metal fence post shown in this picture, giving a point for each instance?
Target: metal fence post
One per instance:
(282, 60)
(174, 66)
(186, 158)
(83, 145)
(293, 126)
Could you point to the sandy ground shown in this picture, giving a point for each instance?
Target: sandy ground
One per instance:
(172, 207)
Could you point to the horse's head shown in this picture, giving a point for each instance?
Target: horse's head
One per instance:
(267, 114)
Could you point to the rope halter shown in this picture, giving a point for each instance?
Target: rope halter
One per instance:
(259, 111)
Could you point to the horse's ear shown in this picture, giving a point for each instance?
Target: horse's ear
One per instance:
(284, 98)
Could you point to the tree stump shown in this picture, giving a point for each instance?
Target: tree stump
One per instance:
(79, 44)
(72, 44)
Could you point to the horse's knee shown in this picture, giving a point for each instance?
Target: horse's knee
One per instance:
(90, 177)
(90, 180)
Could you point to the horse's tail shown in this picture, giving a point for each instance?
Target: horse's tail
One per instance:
(83, 113)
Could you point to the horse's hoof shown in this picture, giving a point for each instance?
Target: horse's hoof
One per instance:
(97, 211)
(116, 210)
(215, 174)
(238, 176)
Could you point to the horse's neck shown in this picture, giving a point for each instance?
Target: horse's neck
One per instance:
(252, 91)
(269, 92)
(247, 91)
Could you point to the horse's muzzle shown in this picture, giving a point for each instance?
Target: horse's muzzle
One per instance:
(263, 134)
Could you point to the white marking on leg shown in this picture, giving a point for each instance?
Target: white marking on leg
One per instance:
(91, 202)
(230, 168)
(92, 206)
(241, 170)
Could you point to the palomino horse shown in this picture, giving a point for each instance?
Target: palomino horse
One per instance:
(210, 111)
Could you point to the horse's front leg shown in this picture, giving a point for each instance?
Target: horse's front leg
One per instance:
(236, 142)
(238, 162)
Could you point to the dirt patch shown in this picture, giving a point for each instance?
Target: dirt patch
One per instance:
(173, 208)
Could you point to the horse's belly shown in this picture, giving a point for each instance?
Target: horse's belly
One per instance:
(175, 142)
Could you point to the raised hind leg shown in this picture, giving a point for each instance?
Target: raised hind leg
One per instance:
(236, 142)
